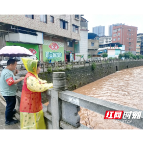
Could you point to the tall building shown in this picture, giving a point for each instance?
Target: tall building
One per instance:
(81, 47)
(99, 30)
(125, 35)
(50, 37)
(139, 46)
(111, 28)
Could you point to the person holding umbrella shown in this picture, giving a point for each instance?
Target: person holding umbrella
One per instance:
(31, 109)
(8, 90)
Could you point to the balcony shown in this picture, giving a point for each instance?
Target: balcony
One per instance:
(84, 25)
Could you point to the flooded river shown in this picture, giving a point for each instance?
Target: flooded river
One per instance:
(123, 87)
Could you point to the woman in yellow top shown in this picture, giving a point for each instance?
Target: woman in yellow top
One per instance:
(31, 110)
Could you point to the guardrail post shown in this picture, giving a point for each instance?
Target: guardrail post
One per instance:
(54, 107)
(72, 64)
(43, 66)
(84, 63)
(79, 62)
(64, 64)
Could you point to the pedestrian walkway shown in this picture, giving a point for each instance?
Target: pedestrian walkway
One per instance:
(2, 119)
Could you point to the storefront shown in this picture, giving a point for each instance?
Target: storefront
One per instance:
(32, 47)
(53, 51)
(69, 56)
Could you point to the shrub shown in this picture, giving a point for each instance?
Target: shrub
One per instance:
(110, 58)
(93, 66)
(68, 67)
(49, 70)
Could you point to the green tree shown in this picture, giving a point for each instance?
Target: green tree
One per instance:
(104, 55)
(120, 56)
(128, 55)
(134, 57)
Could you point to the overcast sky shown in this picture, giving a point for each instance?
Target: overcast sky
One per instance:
(106, 20)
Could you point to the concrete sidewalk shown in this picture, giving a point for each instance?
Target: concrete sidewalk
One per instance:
(2, 118)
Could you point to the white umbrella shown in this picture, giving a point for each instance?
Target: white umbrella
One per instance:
(15, 51)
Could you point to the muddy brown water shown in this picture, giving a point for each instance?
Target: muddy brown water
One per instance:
(123, 87)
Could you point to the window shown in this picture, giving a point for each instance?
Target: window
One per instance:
(64, 24)
(130, 39)
(129, 29)
(118, 38)
(92, 44)
(70, 44)
(114, 35)
(43, 18)
(114, 39)
(30, 16)
(52, 19)
(118, 34)
(119, 29)
(77, 16)
(129, 34)
(115, 30)
(75, 28)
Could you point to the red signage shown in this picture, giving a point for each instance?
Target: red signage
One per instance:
(53, 46)
(33, 51)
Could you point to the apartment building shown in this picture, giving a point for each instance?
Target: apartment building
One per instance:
(105, 40)
(111, 28)
(50, 37)
(139, 45)
(126, 35)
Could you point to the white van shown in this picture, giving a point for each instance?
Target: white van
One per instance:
(3, 63)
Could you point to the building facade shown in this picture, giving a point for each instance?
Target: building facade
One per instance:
(50, 37)
(125, 35)
(99, 30)
(93, 44)
(81, 47)
(113, 49)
